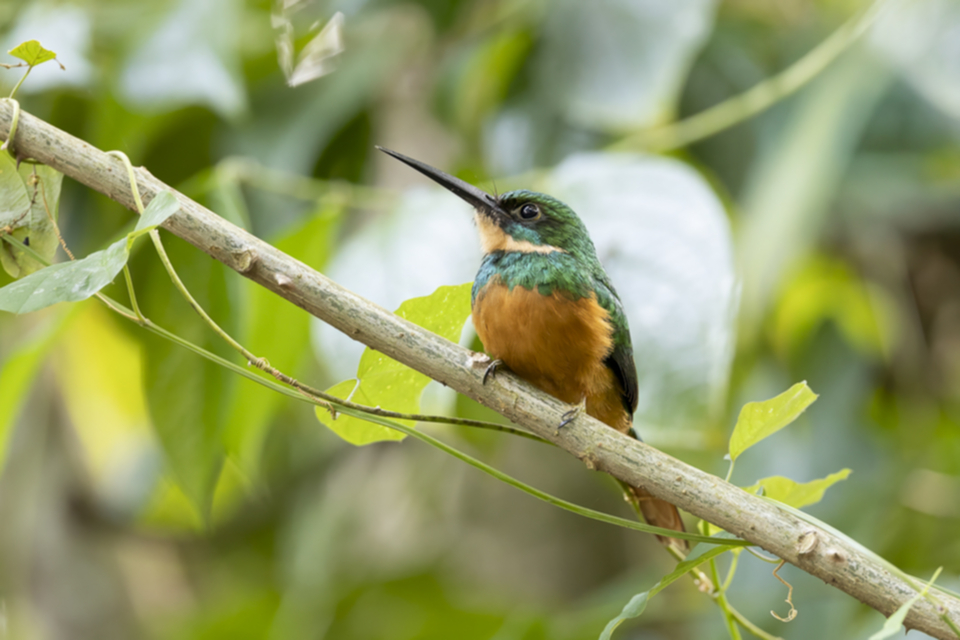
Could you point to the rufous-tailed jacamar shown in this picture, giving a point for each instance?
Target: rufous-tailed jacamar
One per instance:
(544, 306)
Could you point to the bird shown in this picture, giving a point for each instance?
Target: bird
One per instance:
(544, 307)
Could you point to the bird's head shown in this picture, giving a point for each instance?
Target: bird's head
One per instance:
(523, 221)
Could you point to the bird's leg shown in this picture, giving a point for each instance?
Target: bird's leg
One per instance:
(574, 413)
(491, 369)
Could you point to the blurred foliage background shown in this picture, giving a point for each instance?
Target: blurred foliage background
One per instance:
(145, 493)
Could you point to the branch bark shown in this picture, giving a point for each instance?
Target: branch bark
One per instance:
(832, 558)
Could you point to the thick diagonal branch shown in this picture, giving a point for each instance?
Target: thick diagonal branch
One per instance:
(835, 560)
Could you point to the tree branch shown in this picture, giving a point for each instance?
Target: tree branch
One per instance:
(819, 551)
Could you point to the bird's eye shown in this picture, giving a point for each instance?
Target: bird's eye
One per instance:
(529, 211)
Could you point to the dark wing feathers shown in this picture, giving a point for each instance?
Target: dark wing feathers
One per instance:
(621, 363)
(620, 359)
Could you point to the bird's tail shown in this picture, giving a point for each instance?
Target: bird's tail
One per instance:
(660, 513)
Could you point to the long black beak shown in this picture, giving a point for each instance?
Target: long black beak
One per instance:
(480, 199)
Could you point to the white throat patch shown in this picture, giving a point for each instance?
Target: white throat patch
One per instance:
(493, 238)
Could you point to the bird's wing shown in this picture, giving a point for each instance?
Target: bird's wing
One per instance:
(620, 359)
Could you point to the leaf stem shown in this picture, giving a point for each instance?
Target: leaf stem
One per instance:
(759, 98)
(132, 294)
(721, 598)
(17, 86)
(734, 560)
(14, 120)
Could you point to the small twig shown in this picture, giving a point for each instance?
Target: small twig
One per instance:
(734, 560)
(793, 610)
(46, 207)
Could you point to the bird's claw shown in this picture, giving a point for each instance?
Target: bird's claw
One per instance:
(491, 369)
(573, 414)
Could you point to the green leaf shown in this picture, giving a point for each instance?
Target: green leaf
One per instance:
(66, 281)
(795, 494)
(287, 348)
(892, 625)
(32, 52)
(384, 382)
(638, 603)
(163, 205)
(27, 194)
(355, 431)
(759, 420)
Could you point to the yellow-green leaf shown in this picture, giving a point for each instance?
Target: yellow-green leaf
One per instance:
(795, 494)
(355, 431)
(32, 52)
(759, 420)
(384, 382)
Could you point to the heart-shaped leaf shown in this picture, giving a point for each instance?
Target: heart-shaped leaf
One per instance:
(32, 52)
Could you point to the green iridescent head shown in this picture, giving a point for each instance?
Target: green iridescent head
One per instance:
(538, 219)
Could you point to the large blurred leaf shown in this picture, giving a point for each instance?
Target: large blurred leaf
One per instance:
(20, 369)
(922, 39)
(189, 397)
(100, 374)
(620, 63)
(476, 82)
(280, 332)
(663, 236)
(26, 195)
(823, 290)
(384, 382)
(191, 58)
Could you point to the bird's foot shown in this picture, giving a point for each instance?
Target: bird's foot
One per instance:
(573, 414)
(492, 369)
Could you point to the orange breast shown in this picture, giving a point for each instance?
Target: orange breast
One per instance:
(554, 342)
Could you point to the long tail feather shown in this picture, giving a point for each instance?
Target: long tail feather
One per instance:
(661, 513)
